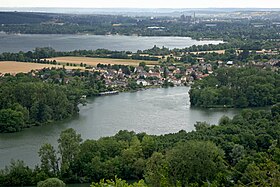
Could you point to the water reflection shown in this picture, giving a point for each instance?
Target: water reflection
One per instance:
(154, 111)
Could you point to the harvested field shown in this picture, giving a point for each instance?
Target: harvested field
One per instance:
(24, 67)
(95, 61)
(216, 51)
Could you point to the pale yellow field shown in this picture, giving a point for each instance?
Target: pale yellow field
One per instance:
(23, 67)
(95, 61)
(216, 51)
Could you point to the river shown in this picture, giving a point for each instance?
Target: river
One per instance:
(154, 111)
(70, 42)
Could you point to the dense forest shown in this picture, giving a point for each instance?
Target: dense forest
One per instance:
(242, 151)
(237, 87)
(26, 101)
(48, 95)
(44, 97)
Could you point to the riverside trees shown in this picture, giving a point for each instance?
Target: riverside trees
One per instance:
(241, 151)
(237, 87)
(23, 104)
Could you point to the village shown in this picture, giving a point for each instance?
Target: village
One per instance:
(128, 75)
(124, 78)
(128, 78)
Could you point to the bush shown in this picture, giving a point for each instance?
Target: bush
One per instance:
(51, 182)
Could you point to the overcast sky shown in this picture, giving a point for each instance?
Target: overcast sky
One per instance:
(143, 3)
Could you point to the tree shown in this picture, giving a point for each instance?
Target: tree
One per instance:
(201, 126)
(142, 64)
(51, 182)
(148, 146)
(131, 160)
(155, 173)
(125, 135)
(118, 183)
(275, 110)
(236, 87)
(69, 148)
(18, 174)
(224, 120)
(238, 152)
(49, 161)
(11, 120)
(263, 174)
(194, 161)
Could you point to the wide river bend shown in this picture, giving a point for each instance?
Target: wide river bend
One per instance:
(154, 111)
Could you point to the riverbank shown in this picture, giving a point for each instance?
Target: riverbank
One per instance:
(154, 111)
(71, 42)
(125, 148)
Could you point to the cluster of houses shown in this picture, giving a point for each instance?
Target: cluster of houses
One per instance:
(174, 74)
(151, 76)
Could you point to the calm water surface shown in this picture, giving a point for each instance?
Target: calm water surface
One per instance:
(154, 111)
(68, 42)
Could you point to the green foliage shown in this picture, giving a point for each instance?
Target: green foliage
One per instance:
(233, 30)
(275, 110)
(69, 148)
(51, 182)
(263, 174)
(194, 161)
(142, 64)
(49, 160)
(11, 120)
(236, 87)
(155, 173)
(25, 101)
(241, 151)
(40, 55)
(17, 174)
(118, 183)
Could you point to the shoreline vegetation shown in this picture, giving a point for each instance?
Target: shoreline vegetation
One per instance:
(190, 26)
(242, 72)
(43, 96)
(88, 34)
(238, 151)
(214, 84)
(238, 88)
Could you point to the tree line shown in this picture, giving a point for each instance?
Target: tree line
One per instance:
(46, 96)
(242, 151)
(226, 29)
(237, 87)
(39, 55)
(26, 101)
(50, 95)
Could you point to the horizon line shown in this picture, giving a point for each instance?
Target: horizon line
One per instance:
(144, 7)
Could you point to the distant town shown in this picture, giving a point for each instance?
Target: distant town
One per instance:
(124, 77)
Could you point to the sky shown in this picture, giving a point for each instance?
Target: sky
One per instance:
(143, 3)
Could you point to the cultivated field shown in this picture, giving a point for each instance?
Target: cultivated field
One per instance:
(216, 51)
(23, 67)
(95, 61)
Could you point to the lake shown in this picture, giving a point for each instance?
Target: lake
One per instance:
(70, 42)
(154, 111)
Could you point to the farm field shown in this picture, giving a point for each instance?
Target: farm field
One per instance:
(95, 61)
(215, 51)
(14, 67)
